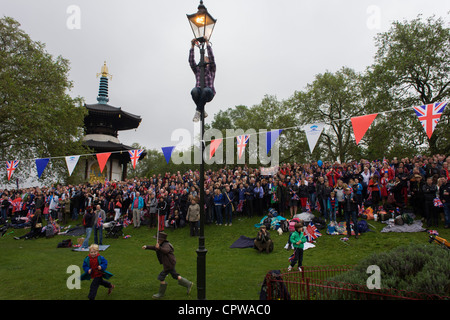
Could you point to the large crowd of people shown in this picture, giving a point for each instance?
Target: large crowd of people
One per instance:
(171, 200)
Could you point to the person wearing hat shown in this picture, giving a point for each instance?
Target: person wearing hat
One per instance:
(164, 252)
(263, 241)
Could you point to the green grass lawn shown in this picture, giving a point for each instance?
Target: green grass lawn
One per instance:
(37, 269)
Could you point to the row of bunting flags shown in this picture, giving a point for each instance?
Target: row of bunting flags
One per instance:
(242, 141)
(71, 162)
(428, 116)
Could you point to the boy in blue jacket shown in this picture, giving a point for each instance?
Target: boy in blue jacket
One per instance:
(94, 266)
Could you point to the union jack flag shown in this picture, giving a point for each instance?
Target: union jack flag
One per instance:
(360, 209)
(308, 207)
(53, 225)
(240, 206)
(99, 221)
(29, 216)
(135, 155)
(429, 115)
(10, 167)
(311, 232)
(126, 222)
(437, 202)
(241, 143)
(318, 205)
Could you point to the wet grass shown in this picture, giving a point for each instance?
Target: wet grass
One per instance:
(37, 269)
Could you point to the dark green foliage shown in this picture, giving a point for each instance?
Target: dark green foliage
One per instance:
(415, 267)
(38, 117)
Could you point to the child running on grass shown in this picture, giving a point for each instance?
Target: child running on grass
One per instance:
(297, 239)
(164, 252)
(94, 266)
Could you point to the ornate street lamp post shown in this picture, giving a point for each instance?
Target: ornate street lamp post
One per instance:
(202, 24)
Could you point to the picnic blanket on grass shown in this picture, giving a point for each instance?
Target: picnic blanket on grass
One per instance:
(243, 242)
(75, 231)
(100, 248)
(274, 222)
(416, 226)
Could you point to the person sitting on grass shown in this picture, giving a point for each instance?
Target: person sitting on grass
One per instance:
(263, 241)
(36, 226)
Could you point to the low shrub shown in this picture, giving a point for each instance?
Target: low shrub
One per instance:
(418, 268)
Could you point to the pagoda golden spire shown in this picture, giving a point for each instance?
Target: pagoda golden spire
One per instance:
(104, 72)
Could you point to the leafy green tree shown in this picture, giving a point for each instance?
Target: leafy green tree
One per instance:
(269, 114)
(38, 118)
(332, 98)
(412, 68)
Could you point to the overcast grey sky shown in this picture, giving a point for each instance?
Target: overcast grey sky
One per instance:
(261, 47)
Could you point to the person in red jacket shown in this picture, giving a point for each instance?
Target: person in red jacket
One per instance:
(94, 266)
(333, 177)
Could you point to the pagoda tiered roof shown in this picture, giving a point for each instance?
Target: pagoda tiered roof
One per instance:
(101, 114)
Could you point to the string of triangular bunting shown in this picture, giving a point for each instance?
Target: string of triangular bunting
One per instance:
(71, 161)
(428, 115)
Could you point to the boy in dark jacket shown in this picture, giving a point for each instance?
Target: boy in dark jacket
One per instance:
(164, 252)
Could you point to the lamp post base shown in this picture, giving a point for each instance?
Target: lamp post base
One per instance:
(201, 273)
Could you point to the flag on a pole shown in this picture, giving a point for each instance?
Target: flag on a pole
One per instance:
(308, 206)
(99, 221)
(126, 222)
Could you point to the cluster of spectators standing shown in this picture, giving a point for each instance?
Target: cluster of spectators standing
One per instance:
(172, 199)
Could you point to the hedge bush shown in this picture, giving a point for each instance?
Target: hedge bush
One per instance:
(415, 267)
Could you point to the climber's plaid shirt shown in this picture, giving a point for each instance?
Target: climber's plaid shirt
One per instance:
(210, 69)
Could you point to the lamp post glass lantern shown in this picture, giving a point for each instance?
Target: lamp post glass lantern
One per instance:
(202, 24)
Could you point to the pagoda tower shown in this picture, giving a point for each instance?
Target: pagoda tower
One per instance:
(102, 125)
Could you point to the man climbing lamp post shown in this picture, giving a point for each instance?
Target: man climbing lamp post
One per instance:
(202, 24)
